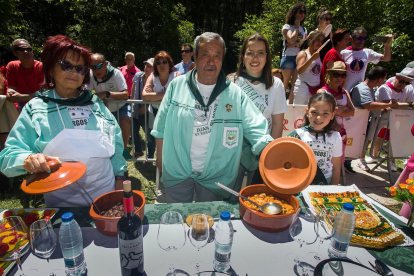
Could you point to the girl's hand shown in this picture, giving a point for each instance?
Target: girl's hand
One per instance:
(297, 21)
(35, 163)
(315, 56)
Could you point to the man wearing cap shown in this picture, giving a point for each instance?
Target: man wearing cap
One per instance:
(400, 91)
(200, 126)
(129, 70)
(357, 58)
(24, 76)
(109, 83)
(138, 83)
(187, 54)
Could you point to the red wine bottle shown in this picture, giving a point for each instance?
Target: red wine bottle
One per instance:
(130, 237)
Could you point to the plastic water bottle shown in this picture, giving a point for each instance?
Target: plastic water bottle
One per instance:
(344, 228)
(223, 243)
(71, 243)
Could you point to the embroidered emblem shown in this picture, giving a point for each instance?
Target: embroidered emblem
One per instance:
(229, 107)
(231, 137)
(111, 86)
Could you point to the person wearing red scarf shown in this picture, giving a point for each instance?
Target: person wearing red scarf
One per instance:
(334, 81)
(356, 57)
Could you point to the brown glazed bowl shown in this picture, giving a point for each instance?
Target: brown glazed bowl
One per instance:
(261, 221)
(107, 225)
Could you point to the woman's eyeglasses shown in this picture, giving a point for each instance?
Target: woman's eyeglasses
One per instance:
(98, 66)
(302, 12)
(252, 55)
(23, 49)
(328, 19)
(161, 62)
(67, 67)
(338, 75)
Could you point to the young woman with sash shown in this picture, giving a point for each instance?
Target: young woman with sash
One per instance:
(254, 77)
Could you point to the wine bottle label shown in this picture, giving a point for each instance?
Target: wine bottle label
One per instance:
(128, 204)
(74, 262)
(131, 252)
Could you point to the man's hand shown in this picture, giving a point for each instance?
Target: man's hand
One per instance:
(16, 97)
(141, 111)
(390, 37)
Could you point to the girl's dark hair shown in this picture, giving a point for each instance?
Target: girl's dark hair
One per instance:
(324, 97)
(267, 69)
(322, 13)
(290, 16)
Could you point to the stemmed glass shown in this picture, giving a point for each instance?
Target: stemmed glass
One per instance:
(171, 237)
(303, 221)
(43, 239)
(14, 241)
(199, 234)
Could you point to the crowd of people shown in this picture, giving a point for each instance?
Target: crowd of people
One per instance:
(209, 127)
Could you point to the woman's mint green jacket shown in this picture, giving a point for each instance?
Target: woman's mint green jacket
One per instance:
(236, 117)
(39, 123)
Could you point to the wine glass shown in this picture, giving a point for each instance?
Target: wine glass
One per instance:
(171, 237)
(14, 240)
(43, 239)
(199, 234)
(301, 230)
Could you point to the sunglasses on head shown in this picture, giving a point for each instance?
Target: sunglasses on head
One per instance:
(98, 66)
(22, 49)
(302, 12)
(161, 62)
(185, 51)
(362, 38)
(339, 75)
(66, 66)
(404, 82)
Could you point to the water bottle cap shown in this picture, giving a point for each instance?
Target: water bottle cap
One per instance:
(225, 216)
(66, 217)
(349, 207)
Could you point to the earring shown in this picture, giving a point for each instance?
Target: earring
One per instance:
(52, 81)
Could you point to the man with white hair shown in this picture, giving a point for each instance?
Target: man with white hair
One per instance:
(25, 75)
(200, 126)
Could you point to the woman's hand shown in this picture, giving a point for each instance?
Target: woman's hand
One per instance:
(297, 21)
(35, 163)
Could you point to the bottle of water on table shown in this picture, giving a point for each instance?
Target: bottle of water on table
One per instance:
(71, 243)
(223, 243)
(344, 228)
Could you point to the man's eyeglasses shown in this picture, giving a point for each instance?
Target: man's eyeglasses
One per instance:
(403, 82)
(338, 75)
(362, 38)
(67, 67)
(23, 49)
(161, 62)
(302, 12)
(185, 51)
(98, 66)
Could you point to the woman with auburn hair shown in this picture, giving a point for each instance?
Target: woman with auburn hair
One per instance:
(66, 122)
(309, 69)
(254, 77)
(293, 33)
(154, 90)
(334, 81)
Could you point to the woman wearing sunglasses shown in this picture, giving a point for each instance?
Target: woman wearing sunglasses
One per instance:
(293, 33)
(334, 82)
(66, 122)
(154, 90)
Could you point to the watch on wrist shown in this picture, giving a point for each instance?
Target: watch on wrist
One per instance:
(108, 94)
(410, 105)
(119, 177)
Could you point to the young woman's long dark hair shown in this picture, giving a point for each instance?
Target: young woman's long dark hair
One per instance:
(322, 97)
(267, 69)
(290, 16)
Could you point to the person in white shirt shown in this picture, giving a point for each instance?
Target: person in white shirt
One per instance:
(254, 77)
(357, 58)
